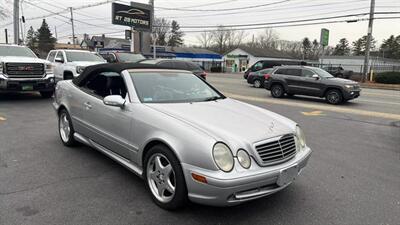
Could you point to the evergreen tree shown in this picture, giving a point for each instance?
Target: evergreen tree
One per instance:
(31, 38)
(342, 48)
(176, 35)
(45, 38)
(360, 45)
(306, 47)
(390, 47)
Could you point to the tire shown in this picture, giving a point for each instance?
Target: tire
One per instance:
(257, 83)
(170, 182)
(334, 97)
(277, 91)
(66, 134)
(46, 94)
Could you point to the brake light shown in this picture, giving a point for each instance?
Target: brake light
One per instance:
(267, 76)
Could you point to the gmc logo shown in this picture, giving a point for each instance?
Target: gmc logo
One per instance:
(25, 68)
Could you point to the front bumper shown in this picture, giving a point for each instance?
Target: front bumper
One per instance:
(240, 185)
(45, 83)
(351, 94)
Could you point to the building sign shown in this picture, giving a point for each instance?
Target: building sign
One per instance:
(137, 17)
(324, 40)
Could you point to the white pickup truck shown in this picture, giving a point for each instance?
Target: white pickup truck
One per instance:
(68, 63)
(21, 70)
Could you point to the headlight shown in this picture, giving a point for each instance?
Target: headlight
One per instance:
(79, 69)
(348, 86)
(300, 137)
(49, 68)
(243, 158)
(223, 157)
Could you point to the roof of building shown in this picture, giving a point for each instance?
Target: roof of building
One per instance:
(265, 52)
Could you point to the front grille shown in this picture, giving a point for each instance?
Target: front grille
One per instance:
(277, 151)
(24, 70)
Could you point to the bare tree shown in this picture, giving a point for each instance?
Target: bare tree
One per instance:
(224, 39)
(219, 39)
(4, 8)
(161, 30)
(234, 38)
(268, 39)
(205, 39)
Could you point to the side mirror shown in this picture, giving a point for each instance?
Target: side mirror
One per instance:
(114, 100)
(315, 76)
(59, 60)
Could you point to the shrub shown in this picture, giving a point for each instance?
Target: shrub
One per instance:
(388, 78)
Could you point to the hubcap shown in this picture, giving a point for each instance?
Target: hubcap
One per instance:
(65, 129)
(257, 84)
(277, 91)
(161, 177)
(333, 97)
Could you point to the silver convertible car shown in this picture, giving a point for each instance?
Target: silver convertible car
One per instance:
(183, 137)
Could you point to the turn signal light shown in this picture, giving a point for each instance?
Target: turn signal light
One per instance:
(267, 76)
(199, 178)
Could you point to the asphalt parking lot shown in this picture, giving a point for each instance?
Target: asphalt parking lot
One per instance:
(352, 177)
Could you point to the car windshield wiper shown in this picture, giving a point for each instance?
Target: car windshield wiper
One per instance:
(213, 98)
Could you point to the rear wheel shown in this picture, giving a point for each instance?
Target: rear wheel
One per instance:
(66, 129)
(257, 83)
(277, 91)
(164, 178)
(334, 97)
(46, 94)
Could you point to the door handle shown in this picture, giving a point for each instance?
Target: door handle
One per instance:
(87, 105)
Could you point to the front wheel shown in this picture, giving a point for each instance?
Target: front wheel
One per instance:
(66, 129)
(164, 178)
(334, 97)
(277, 91)
(46, 94)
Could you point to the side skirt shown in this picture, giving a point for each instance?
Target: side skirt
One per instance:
(124, 162)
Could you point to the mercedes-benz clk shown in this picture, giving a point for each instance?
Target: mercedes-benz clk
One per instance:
(181, 135)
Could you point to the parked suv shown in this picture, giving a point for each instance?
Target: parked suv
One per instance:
(70, 63)
(22, 70)
(338, 71)
(117, 56)
(312, 81)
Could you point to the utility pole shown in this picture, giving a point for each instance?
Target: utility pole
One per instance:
(151, 2)
(55, 31)
(368, 44)
(16, 21)
(73, 28)
(132, 39)
(6, 33)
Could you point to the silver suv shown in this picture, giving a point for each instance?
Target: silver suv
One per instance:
(311, 81)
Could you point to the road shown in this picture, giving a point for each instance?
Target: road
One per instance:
(352, 177)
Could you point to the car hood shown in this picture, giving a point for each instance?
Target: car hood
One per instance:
(17, 59)
(229, 120)
(341, 81)
(85, 63)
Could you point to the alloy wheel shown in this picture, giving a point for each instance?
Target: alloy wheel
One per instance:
(257, 83)
(161, 177)
(333, 97)
(64, 126)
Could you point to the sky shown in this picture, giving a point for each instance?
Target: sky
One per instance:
(97, 20)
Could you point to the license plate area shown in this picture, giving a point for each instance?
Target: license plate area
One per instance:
(288, 175)
(27, 87)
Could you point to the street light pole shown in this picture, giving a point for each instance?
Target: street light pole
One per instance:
(151, 2)
(73, 28)
(368, 44)
(16, 21)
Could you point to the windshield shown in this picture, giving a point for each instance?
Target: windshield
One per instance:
(16, 51)
(172, 87)
(129, 57)
(322, 73)
(83, 56)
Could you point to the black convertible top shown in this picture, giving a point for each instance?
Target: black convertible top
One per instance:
(112, 67)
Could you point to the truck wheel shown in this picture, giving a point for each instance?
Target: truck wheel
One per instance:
(164, 178)
(277, 91)
(334, 97)
(257, 83)
(46, 94)
(66, 129)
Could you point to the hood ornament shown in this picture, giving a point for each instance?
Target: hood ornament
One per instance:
(271, 126)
